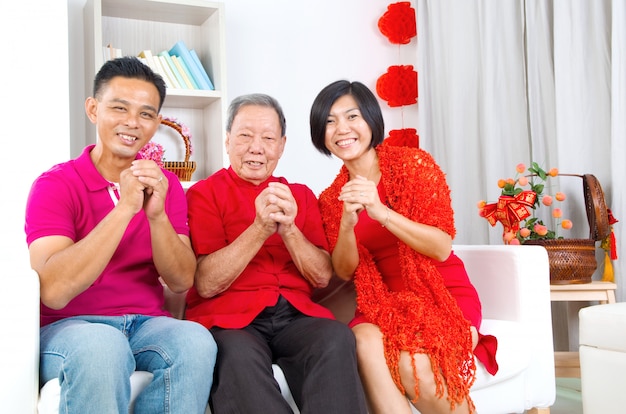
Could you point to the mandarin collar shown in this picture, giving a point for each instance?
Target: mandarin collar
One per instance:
(240, 181)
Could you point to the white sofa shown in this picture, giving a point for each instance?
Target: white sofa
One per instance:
(602, 338)
(513, 283)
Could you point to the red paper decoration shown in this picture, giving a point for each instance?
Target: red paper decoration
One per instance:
(398, 23)
(406, 137)
(398, 86)
(510, 210)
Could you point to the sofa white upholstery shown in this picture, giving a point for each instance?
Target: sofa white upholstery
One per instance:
(602, 338)
(19, 340)
(513, 284)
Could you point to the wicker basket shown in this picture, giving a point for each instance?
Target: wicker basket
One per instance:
(574, 260)
(183, 169)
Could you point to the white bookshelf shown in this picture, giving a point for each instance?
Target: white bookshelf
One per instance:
(157, 25)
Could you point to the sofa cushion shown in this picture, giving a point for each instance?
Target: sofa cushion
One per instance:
(513, 353)
(603, 326)
(50, 393)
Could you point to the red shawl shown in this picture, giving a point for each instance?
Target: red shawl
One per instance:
(424, 318)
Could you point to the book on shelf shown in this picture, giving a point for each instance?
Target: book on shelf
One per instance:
(155, 65)
(205, 75)
(187, 70)
(147, 55)
(183, 73)
(168, 71)
(179, 78)
(109, 52)
(180, 50)
(161, 71)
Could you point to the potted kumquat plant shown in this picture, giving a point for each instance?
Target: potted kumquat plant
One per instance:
(571, 260)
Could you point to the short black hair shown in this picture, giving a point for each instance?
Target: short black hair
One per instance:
(128, 67)
(365, 99)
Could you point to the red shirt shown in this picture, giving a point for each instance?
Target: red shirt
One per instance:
(221, 207)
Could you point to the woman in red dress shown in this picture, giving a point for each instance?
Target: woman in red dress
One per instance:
(390, 224)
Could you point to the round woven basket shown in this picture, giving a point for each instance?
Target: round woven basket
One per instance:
(183, 169)
(574, 260)
(571, 260)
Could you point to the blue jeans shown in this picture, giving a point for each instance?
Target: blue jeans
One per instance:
(94, 356)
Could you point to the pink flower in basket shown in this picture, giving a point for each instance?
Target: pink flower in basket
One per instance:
(184, 130)
(153, 151)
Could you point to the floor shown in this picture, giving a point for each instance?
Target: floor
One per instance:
(568, 397)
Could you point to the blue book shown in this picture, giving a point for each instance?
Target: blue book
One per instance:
(190, 76)
(181, 51)
(183, 72)
(205, 75)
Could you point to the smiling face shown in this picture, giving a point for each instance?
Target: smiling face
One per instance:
(348, 136)
(255, 143)
(126, 116)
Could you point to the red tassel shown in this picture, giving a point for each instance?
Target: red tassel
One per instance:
(612, 220)
(613, 247)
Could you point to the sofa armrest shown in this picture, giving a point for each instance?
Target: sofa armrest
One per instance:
(19, 320)
(513, 283)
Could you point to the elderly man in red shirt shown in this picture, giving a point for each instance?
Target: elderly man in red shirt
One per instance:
(261, 251)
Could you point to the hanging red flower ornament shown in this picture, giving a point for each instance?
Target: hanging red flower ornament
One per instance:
(398, 86)
(406, 137)
(398, 23)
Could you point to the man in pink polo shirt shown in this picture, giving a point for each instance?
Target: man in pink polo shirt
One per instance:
(261, 250)
(101, 230)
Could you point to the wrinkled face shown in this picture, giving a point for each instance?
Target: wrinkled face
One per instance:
(347, 134)
(126, 115)
(254, 143)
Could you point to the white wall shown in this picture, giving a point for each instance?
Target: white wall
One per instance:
(34, 108)
(292, 49)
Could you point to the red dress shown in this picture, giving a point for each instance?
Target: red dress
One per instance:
(383, 246)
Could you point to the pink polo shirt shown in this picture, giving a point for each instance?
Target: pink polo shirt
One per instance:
(69, 200)
(221, 207)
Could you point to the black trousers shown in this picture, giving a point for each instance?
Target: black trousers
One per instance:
(317, 356)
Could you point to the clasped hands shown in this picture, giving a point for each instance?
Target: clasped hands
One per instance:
(143, 186)
(276, 208)
(361, 194)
